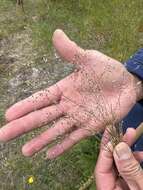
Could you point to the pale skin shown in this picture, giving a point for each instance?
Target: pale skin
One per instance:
(82, 103)
(121, 170)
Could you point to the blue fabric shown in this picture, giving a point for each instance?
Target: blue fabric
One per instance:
(133, 119)
(135, 116)
(135, 64)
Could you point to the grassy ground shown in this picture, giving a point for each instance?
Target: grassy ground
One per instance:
(114, 27)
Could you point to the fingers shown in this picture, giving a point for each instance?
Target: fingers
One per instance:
(65, 47)
(104, 170)
(36, 101)
(61, 127)
(129, 136)
(67, 143)
(128, 166)
(105, 139)
(27, 123)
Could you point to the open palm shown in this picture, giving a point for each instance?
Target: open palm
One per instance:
(96, 94)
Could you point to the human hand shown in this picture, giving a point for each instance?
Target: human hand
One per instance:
(99, 92)
(119, 169)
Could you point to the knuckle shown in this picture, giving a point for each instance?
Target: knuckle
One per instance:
(131, 169)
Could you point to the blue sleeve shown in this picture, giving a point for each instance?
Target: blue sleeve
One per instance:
(134, 119)
(135, 66)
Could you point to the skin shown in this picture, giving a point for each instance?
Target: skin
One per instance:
(121, 170)
(82, 104)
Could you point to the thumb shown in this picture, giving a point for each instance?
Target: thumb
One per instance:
(128, 166)
(65, 47)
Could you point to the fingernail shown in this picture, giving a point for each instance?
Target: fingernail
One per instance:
(122, 151)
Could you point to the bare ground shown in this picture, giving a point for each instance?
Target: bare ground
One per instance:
(23, 71)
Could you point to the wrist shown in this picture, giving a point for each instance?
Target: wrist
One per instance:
(138, 87)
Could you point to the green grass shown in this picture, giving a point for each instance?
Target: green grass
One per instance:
(114, 27)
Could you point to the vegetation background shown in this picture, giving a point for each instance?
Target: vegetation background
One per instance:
(28, 63)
